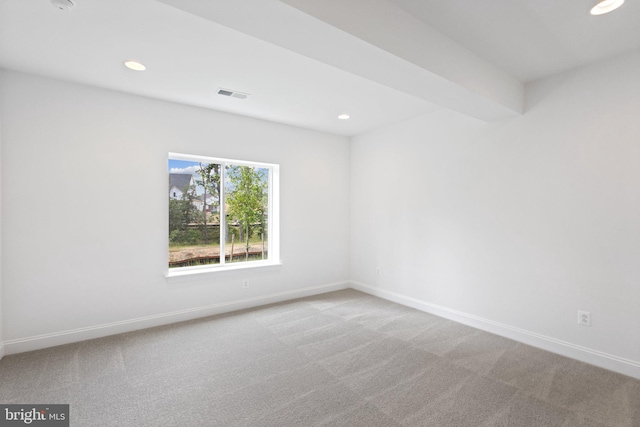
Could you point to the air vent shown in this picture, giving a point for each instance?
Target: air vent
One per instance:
(232, 93)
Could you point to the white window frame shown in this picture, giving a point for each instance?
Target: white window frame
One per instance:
(273, 222)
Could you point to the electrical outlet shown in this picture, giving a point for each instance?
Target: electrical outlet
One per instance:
(378, 271)
(245, 283)
(584, 318)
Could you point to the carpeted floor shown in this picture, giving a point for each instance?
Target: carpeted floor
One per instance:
(338, 359)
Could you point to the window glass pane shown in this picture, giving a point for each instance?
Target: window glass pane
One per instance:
(247, 210)
(194, 213)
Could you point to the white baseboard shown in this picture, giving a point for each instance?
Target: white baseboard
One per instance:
(587, 355)
(81, 334)
(1, 350)
(584, 354)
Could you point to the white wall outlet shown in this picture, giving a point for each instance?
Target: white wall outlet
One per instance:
(245, 283)
(378, 271)
(584, 318)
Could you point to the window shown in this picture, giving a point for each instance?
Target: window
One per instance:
(222, 213)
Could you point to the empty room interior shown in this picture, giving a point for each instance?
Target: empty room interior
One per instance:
(380, 212)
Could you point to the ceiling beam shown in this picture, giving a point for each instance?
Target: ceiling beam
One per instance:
(407, 55)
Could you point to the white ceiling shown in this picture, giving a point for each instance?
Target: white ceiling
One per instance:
(532, 39)
(302, 66)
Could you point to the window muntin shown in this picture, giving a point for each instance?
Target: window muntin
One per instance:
(207, 234)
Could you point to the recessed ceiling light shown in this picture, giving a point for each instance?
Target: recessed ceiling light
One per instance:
(134, 65)
(344, 117)
(606, 6)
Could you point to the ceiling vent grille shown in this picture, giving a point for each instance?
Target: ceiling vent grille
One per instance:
(232, 93)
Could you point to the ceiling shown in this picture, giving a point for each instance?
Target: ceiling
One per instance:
(304, 62)
(532, 39)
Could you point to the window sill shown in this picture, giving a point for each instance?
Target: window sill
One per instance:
(188, 274)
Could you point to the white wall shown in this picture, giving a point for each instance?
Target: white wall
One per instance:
(516, 225)
(95, 254)
(1, 328)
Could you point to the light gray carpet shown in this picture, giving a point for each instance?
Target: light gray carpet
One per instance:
(338, 359)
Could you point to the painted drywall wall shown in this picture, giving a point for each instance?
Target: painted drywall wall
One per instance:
(1, 328)
(521, 223)
(85, 208)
